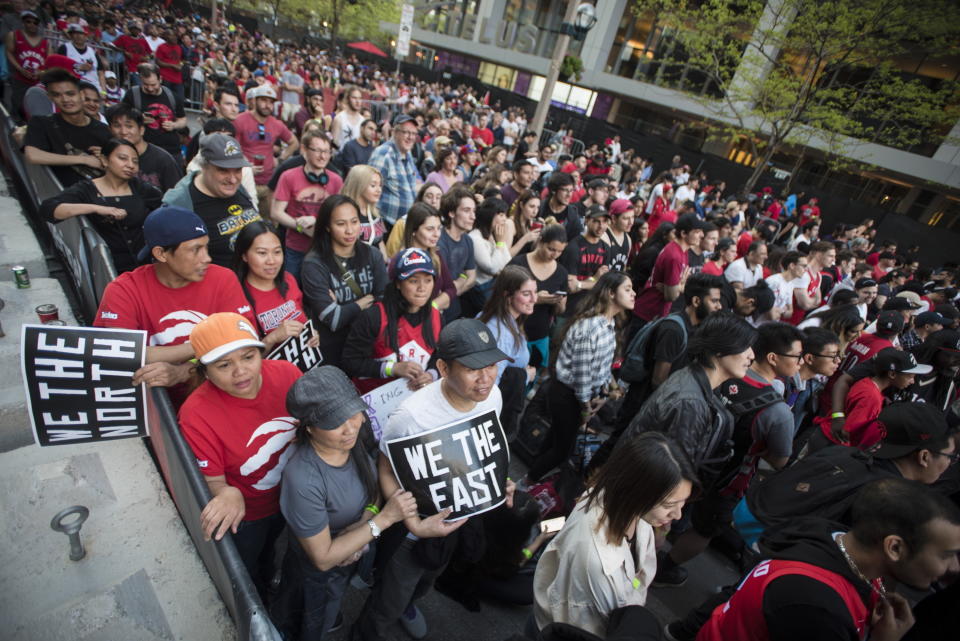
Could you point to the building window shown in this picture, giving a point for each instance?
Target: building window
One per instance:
(503, 77)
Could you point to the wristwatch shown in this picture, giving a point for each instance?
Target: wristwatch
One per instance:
(374, 529)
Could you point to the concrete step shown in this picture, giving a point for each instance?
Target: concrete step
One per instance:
(141, 578)
(18, 243)
(19, 309)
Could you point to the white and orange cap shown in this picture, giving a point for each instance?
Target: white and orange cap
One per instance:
(219, 334)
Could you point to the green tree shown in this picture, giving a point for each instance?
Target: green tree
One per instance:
(810, 73)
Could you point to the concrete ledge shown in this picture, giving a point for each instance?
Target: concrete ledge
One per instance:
(18, 243)
(19, 310)
(141, 578)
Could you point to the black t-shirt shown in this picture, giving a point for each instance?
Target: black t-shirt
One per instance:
(224, 217)
(538, 323)
(568, 218)
(57, 136)
(582, 258)
(695, 261)
(158, 168)
(161, 108)
(619, 252)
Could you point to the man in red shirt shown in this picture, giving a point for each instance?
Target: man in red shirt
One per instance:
(669, 273)
(135, 50)
(884, 246)
(26, 50)
(300, 192)
(481, 134)
(170, 60)
(809, 296)
(168, 297)
(886, 261)
(892, 370)
(257, 132)
(809, 211)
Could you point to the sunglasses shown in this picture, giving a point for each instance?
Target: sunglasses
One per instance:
(262, 132)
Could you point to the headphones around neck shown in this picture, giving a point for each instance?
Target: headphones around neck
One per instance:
(318, 179)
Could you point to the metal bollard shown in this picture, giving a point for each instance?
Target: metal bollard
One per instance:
(72, 529)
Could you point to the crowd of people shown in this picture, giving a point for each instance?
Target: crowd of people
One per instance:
(704, 365)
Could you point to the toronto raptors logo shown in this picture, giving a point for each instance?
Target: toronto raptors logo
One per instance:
(278, 433)
(171, 333)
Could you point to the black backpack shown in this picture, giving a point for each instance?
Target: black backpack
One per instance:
(636, 368)
(823, 485)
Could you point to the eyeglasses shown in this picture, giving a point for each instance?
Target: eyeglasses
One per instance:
(406, 132)
(262, 132)
(953, 456)
(322, 152)
(799, 357)
(833, 357)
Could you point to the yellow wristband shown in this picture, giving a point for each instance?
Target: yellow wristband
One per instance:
(388, 369)
(527, 554)
(501, 244)
(838, 415)
(373, 509)
(299, 228)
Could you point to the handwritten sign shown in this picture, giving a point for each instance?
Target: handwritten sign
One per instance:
(383, 400)
(462, 466)
(296, 350)
(79, 383)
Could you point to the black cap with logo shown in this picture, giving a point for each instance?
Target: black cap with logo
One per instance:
(908, 427)
(470, 343)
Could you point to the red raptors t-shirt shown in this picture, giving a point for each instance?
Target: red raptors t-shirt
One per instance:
(137, 300)
(272, 309)
(245, 440)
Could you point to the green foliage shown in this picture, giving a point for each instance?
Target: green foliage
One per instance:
(571, 66)
(812, 69)
(346, 21)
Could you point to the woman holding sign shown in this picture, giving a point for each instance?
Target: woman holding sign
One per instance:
(237, 426)
(584, 378)
(331, 498)
(604, 557)
(397, 336)
(274, 296)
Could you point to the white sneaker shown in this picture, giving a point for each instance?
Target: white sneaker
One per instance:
(414, 622)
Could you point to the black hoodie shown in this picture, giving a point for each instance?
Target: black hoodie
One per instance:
(800, 608)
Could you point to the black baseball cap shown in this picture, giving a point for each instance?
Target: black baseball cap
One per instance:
(403, 118)
(864, 282)
(470, 343)
(899, 304)
(597, 211)
(168, 226)
(892, 359)
(929, 318)
(889, 322)
(908, 427)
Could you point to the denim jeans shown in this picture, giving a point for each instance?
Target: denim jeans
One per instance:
(255, 541)
(309, 598)
(293, 261)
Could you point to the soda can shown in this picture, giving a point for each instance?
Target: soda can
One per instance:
(56, 322)
(47, 312)
(21, 277)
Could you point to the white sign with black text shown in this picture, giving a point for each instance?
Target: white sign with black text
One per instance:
(296, 350)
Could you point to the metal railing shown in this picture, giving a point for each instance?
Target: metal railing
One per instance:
(91, 269)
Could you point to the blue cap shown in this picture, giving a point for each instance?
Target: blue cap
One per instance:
(409, 262)
(258, 72)
(167, 226)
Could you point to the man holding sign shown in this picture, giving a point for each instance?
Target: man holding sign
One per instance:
(444, 443)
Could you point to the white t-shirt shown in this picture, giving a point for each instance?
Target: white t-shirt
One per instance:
(782, 290)
(349, 128)
(738, 272)
(510, 133)
(427, 409)
(684, 193)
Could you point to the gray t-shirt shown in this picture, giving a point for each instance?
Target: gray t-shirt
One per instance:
(293, 79)
(774, 425)
(315, 495)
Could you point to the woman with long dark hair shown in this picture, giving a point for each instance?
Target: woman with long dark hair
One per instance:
(422, 231)
(332, 502)
(341, 275)
(397, 336)
(525, 214)
(429, 193)
(604, 557)
(584, 379)
(843, 320)
(511, 302)
(642, 265)
(447, 174)
(723, 255)
(117, 203)
(492, 243)
(551, 278)
(274, 296)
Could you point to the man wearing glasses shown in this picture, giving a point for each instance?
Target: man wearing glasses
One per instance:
(258, 132)
(821, 358)
(557, 205)
(299, 194)
(398, 168)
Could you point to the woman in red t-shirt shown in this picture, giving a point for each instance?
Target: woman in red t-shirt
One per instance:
(238, 427)
(275, 298)
(397, 336)
(725, 253)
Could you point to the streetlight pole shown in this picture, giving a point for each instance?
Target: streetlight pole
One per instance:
(559, 52)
